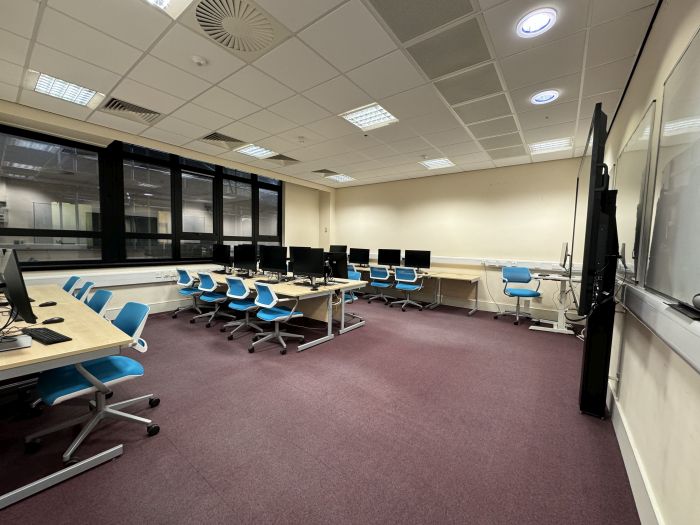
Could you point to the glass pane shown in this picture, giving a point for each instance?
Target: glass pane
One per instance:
(44, 249)
(268, 180)
(47, 186)
(196, 249)
(237, 173)
(152, 153)
(146, 198)
(197, 203)
(268, 200)
(238, 209)
(149, 249)
(198, 164)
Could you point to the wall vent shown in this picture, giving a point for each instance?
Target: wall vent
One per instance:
(131, 111)
(221, 140)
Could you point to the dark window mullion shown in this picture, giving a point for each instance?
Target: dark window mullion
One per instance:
(218, 204)
(176, 204)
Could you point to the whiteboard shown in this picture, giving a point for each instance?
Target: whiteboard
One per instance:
(674, 259)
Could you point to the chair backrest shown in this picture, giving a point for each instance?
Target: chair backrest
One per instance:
(184, 278)
(266, 297)
(236, 288)
(206, 282)
(354, 275)
(404, 274)
(516, 274)
(379, 273)
(99, 300)
(351, 267)
(131, 319)
(70, 283)
(82, 293)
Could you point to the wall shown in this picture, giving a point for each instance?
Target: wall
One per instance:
(301, 216)
(658, 394)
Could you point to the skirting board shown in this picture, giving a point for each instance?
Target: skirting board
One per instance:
(643, 497)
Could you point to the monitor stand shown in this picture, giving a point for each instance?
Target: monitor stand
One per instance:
(314, 285)
(15, 342)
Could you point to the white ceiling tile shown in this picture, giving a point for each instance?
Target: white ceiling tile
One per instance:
(619, 38)
(114, 122)
(244, 132)
(488, 4)
(295, 65)
(299, 13)
(201, 116)
(448, 137)
(180, 44)
(256, 86)
(165, 136)
(8, 92)
(478, 166)
(548, 115)
(18, 16)
(392, 132)
(387, 75)
(348, 37)
(338, 95)
(433, 122)
(584, 126)
(131, 21)
(225, 103)
(186, 129)
(13, 48)
(333, 127)
(10, 73)
(237, 157)
(66, 67)
(413, 103)
(301, 136)
(555, 155)
(609, 100)
(609, 77)
(410, 145)
(470, 158)
(145, 96)
(204, 147)
(461, 148)
(300, 110)
(269, 122)
(278, 144)
(74, 38)
(557, 59)
(568, 86)
(557, 131)
(380, 152)
(163, 76)
(525, 159)
(606, 10)
(53, 105)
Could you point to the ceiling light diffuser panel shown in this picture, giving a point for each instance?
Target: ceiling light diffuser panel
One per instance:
(62, 89)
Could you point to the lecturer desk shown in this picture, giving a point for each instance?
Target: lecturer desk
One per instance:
(318, 303)
(92, 337)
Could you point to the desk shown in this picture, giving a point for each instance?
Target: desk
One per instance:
(93, 337)
(561, 325)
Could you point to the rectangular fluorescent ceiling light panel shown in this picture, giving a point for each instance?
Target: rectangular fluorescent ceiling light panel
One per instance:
(368, 117)
(550, 146)
(339, 177)
(256, 151)
(62, 89)
(434, 164)
(159, 3)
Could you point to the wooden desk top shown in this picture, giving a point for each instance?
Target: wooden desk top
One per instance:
(88, 330)
(439, 274)
(289, 289)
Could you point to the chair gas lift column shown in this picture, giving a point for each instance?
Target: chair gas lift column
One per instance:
(407, 281)
(187, 288)
(379, 280)
(208, 286)
(520, 275)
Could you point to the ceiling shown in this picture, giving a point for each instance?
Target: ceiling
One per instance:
(453, 72)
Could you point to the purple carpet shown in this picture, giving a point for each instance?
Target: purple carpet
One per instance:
(418, 417)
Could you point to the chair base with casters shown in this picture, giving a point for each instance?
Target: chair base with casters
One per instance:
(517, 313)
(380, 287)
(190, 292)
(217, 300)
(406, 302)
(277, 335)
(243, 323)
(349, 298)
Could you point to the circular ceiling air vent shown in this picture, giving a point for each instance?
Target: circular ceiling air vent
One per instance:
(235, 24)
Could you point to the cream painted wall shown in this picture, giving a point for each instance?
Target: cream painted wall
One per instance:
(301, 216)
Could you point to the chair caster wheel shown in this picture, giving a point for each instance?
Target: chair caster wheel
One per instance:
(222, 330)
(152, 429)
(72, 461)
(283, 351)
(32, 447)
(420, 309)
(154, 402)
(109, 395)
(192, 321)
(230, 337)
(495, 317)
(516, 323)
(174, 316)
(208, 325)
(251, 350)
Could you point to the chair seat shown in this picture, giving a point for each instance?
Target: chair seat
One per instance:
(349, 297)
(242, 305)
(60, 384)
(213, 297)
(276, 313)
(188, 291)
(522, 292)
(406, 287)
(380, 284)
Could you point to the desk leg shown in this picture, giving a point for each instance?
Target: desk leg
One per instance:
(476, 299)
(329, 323)
(60, 476)
(560, 326)
(344, 329)
(438, 291)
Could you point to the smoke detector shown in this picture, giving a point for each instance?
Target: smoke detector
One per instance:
(199, 61)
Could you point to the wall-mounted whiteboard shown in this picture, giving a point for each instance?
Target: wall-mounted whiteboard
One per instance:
(674, 259)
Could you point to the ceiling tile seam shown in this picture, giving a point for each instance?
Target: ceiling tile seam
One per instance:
(30, 49)
(624, 15)
(459, 72)
(479, 99)
(550, 42)
(440, 29)
(312, 22)
(583, 75)
(603, 64)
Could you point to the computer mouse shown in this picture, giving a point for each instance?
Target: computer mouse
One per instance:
(48, 303)
(53, 320)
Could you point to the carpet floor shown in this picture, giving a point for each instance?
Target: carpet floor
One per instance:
(419, 417)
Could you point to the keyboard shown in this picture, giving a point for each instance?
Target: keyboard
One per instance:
(45, 336)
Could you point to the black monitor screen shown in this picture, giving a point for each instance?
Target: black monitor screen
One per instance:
(309, 262)
(359, 255)
(14, 287)
(221, 254)
(297, 252)
(338, 264)
(389, 257)
(273, 259)
(417, 259)
(338, 248)
(244, 257)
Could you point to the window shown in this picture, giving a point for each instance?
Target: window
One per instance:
(268, 205)
(238, 209)
(197, 203)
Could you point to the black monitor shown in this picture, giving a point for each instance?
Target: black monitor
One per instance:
(273, 259)
(389, 257)
(417, 258)
(244, 257)
(14, 288)
(359, 255)
(296, 252)
(337, 264)
(308, 262)
(338, 248)
(221, 254)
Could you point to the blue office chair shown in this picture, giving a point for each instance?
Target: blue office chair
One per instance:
(99, 300)
(239, 293)
(207, 287)
(267, 301)
(353, 275)
(379, 280)
(81, 294)
(70, 283)
(407, 281)
(517, 274)
(187, 288)
(67, 383)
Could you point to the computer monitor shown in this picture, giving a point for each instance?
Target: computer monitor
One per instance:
(417, 258)
(14, 288)
(273, 259)
(296, 252)
(221, 254)
(244, 257)
(308, 262)
(338, 248)
(359, 255)
(337, 264)
(389, 257)
(564, 257)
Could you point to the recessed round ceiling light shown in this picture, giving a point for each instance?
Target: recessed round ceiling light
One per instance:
(536, 22)
(544, 97)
